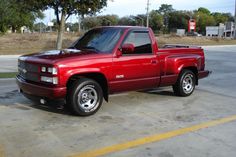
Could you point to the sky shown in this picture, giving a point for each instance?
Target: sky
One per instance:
(134, 7)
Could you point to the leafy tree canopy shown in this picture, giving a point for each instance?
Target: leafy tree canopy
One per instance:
(156, 21)
(65, 8)
(68, 7)
(15, 14)
(204, 10)
(165, 9)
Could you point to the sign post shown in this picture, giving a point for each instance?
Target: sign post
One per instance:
(192, 25)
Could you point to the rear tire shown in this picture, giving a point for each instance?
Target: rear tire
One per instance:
(84, 97)
(185, 84)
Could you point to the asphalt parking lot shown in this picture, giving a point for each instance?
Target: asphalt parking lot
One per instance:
(135, 124)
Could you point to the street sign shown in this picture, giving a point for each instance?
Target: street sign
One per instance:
(192, 25)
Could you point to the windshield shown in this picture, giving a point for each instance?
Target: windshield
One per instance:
(101, 40)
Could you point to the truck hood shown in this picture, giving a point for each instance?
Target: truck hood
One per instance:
(55, 56)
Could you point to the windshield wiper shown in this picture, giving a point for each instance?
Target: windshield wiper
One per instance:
(91, 48)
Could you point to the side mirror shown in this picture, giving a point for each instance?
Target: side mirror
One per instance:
(127, 48)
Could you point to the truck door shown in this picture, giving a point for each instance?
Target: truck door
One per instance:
(136, 70)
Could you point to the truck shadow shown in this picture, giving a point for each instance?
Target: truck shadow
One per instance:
(59, 107)
(53, 107)
(159, 91)
(16, 100)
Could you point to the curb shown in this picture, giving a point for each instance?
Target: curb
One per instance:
(209, 46)
(9, 56)
(7, 79)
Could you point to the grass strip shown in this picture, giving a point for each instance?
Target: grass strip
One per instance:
(8, 74)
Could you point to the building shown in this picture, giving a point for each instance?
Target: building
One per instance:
(221, 31)
(180, 32)
(212, 31)
(229, 29)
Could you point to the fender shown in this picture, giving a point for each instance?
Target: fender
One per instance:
(81, 71)
(175, 63)
(93, 73)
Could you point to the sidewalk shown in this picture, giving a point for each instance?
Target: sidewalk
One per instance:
(8, 63)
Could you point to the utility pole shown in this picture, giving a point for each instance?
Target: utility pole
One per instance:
(235, 21)
(148, 13)
(79, 23)
(40, 27)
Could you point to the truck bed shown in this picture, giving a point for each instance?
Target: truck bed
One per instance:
(167, 46)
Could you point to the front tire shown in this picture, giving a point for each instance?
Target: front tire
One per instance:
(185, 84)
(84, 97)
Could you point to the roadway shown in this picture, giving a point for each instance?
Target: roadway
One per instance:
(141, 124)
(8, 63)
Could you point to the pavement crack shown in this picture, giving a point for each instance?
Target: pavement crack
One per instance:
(216, 93)
(9, 95)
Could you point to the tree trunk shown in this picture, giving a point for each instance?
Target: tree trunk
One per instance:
(61, 31)
(13, 29)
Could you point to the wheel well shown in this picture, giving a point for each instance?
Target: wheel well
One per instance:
(98, 77)
(194, 70)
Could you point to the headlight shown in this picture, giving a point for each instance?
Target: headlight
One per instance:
(53, 80)
(43, 69)
(51, 70)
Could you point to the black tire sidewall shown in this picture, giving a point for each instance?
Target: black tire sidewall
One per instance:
(183, 74)
(73, 96)
(177, 87)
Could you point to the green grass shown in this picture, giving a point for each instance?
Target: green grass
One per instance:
(8, 75)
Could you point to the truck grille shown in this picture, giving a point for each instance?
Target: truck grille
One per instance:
(28, 71)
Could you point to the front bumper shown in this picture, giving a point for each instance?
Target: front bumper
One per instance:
(40, 91)
(203, 74)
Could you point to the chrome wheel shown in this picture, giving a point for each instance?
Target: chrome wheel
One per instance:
(187, 84)
(88, 98)
(84, 97)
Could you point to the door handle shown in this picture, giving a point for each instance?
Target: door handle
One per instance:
(153, 61)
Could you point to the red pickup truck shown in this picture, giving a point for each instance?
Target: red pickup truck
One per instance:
(109, 60)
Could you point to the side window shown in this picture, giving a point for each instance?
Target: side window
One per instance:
(141, 41)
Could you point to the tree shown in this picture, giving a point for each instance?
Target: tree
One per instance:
(127, 21)
(204, 11)
(108, 20)
(72, 26)
(90, 22)
(165, 11)
(140, 19)
(204, 19)
(179, 20)
(63, 9)
(55, 25)
(221, 17)
(39, 27)
(94, 21)
(229, 15)
(156, 21)
(15, 14)
(4, 18)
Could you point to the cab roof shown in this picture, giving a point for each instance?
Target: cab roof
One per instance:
(125, 27)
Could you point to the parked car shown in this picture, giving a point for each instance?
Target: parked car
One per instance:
(196, 34)
(108, 60)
